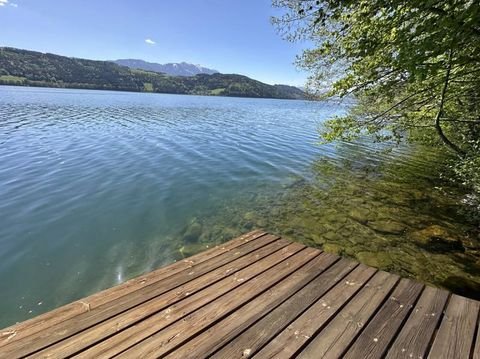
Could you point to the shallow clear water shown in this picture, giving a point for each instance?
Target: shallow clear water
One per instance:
(97, 187)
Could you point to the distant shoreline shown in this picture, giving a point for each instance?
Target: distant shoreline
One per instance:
(147, 92)
(30, 68)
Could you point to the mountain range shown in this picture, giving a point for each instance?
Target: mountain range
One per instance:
(174, 69)
(32, 68)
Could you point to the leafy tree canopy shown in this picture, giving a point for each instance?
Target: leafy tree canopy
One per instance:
(412, 65)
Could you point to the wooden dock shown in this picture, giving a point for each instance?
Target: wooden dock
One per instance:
(256, 296)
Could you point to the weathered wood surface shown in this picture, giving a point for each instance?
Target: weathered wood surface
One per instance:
(256, 296)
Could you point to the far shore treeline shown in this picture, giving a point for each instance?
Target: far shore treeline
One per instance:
(31, 68)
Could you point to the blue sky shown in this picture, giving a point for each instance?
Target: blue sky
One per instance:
(232, 36)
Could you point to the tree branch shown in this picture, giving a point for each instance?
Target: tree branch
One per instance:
(396, 105)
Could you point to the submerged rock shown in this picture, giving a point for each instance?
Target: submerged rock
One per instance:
(463, 286)
(332, 248)
(375, 259)
(317, 238)
(437, 239)
(387, 227)
(360, 215)
(400, 199)
(249, 216)
(193, 231)
(248, 225)
(332, 236)
(261, 223)
(418, 195)
(189, 250)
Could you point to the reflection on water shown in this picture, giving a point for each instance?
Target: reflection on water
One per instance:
(98, 187)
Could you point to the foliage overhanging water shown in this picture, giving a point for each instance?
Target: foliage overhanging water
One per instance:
(98, 187)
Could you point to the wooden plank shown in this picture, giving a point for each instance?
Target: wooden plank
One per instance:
(224, 331)
(113, 325)
(292, 338)
(248, 342)
(179, 332)
(332, 341)
(476, 349)
(381, 330)
(455, 336)
(109, 309)
(136, 333)
(256, 296)
(41, 322)
(417, 333)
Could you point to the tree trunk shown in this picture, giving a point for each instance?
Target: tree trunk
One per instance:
(438, 126)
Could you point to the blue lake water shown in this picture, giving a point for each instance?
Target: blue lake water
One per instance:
(97, 187)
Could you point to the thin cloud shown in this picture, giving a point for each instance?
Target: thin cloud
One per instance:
(148, 41)
(6, 2)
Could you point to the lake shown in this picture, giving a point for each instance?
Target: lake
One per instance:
(97, 187)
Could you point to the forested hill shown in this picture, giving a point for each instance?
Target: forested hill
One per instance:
(30, 68)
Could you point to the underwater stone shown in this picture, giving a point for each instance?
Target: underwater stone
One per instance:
(332, 248)
(229, 233)
(349, 251)
(261, 223)
(189, 250)
(389, 213)
(330, 227)
(249, 216)
(359, 215)
(248, 225)
(437, 239)
(378, 259)
(387, 227)
(332, 236)
(400, 199)
(318, 239)
(332, 215)
(463, 286)
(419, 195)
(357, 201)
(192, 232)
(346, 232)
(416, 221)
